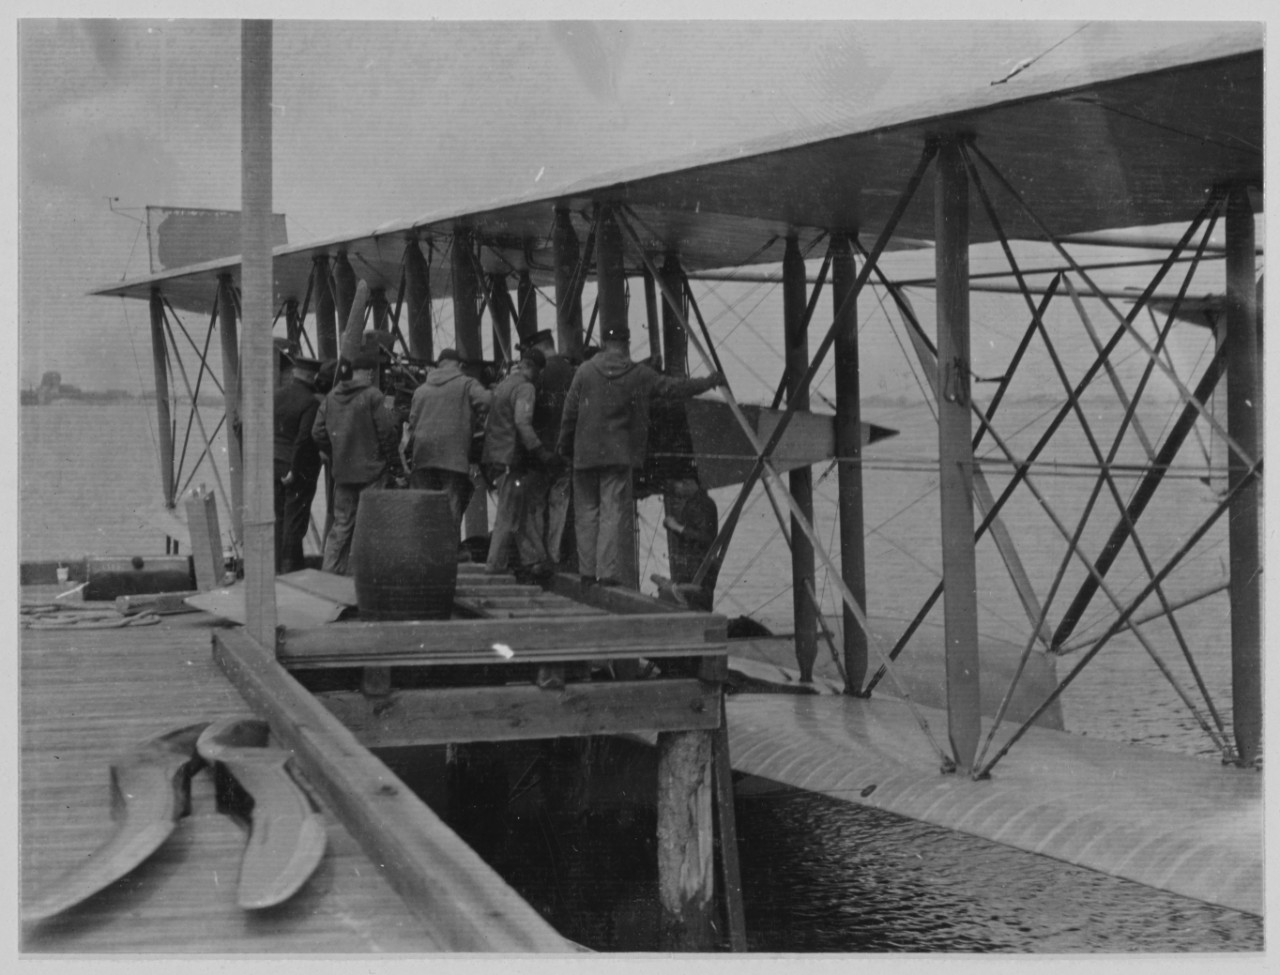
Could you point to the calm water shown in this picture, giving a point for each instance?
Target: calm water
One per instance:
(819, 874)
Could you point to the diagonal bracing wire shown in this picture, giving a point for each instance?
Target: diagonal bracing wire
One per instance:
(1126, 321)
(1098, 571)
(1123, 619)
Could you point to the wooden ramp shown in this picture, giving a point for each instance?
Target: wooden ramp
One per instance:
(90, 694)
(1177, 823)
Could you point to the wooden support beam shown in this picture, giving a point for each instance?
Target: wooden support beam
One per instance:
(418, 288)
(727, 834)
(293, 325)
(258, 364)
(161, 603)
(675, 344)
(519, 712)
(461, 902)
(344, 291)
(686, 841)
(326, 312)
(611, 598)
(652, 320)
(799, 480)
(457, 641)
(381, 309)
(500, 317)
(227, 328)
(164, 422)
(853, 556)
(564, 241)
(1244, 423)
(526, 307)
(955, 455)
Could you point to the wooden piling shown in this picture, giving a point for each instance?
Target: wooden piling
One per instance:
(800, 480)
(1244, 424)
(686, 878)
(955, 455)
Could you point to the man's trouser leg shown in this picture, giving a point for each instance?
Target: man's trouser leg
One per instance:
(586, 517)
(337, 547)
(297, 519)
(531, 521)
(615, 500)
(558, 495)
(504, 523)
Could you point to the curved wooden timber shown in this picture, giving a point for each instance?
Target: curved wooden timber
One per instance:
(150, 792)
(286, 833)
(1175, 822)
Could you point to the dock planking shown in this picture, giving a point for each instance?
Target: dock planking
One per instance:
(88, 695)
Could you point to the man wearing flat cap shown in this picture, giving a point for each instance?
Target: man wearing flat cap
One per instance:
(297, 460)
(442, 416)
(553, 387)
(358, 427)
(516, 462)
(605, 430)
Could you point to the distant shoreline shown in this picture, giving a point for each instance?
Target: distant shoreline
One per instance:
(108, 397)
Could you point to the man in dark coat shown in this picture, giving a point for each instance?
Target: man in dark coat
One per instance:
(605, 430)
(692, 521)
(516, 462)
(357, 426)
(553, 388)
(441, 417)
(297, 461)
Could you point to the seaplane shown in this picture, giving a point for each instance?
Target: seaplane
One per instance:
(1162, 126)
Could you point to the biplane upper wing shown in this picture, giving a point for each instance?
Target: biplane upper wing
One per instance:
(1131, 141)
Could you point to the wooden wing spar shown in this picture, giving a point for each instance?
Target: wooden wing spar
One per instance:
(1158, 124)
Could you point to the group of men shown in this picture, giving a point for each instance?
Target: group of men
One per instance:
(555, 438)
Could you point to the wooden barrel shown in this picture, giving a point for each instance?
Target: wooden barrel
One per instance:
(404, 555)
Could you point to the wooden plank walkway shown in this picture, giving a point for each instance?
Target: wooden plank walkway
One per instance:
(88, 695)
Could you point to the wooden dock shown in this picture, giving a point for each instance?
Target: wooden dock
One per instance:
(396, 878)
(89, 695)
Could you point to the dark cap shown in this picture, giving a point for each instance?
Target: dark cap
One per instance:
(449, 355)
(305, 364)
(326, 375)
(535, 356)
(365, 360)
(537, 338)
(616, 333)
